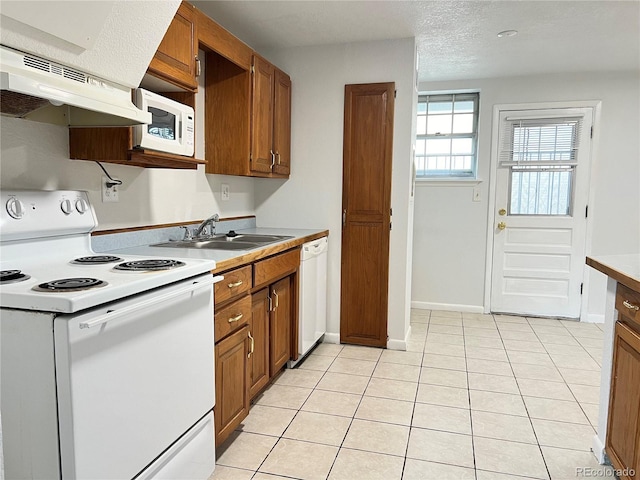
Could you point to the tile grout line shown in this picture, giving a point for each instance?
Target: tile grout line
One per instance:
(466, 363)
(415, 399)
(280, 437)
(352, 417)
(410, 427)
(562, 376)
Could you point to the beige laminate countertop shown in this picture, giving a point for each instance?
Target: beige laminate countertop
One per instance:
(227, 259)
(624, 269)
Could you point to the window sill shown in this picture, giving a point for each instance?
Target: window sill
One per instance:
(447, 182)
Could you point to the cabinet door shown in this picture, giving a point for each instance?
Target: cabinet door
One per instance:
(175, 59)
(262, 156)
(232, 383)
(623, 445)
(282, 123)
(259, 360)
(280, 327)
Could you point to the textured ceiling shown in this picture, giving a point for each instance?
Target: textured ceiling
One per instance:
(456, 39)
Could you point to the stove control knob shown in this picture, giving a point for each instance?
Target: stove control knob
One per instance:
(66, 206)
(15, 208)
(81, 205)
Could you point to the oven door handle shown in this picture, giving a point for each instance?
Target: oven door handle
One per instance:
(113, 314)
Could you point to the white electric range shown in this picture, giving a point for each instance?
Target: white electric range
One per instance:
(106, 361)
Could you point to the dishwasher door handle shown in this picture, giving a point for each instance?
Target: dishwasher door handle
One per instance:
(154, 300)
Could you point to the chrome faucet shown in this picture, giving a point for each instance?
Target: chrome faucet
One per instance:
(211, 221)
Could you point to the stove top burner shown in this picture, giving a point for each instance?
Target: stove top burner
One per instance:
(96, 260)
(13, 276)
(154, 264)
(70, 285)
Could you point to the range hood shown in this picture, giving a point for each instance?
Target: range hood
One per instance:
(38, 89)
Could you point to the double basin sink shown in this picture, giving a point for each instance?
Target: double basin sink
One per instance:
(223, 242)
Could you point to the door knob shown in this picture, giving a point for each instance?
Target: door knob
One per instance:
(502, 211)
(502, 226)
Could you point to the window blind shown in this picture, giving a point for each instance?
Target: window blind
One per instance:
(535, 142)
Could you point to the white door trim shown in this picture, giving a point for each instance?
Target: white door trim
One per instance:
(495, 127)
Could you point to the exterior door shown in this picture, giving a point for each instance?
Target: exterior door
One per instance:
(539, 222)
(366, 202)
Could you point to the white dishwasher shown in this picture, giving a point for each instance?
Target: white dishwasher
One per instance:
(312, 312)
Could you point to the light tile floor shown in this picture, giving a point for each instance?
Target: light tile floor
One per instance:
(478, 397)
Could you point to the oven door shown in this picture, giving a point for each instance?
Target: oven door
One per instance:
(132, 377)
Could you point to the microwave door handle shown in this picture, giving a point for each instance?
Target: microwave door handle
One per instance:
(180, 129)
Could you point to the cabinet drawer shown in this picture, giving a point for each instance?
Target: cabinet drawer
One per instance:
(270, 269)
(235, 282)
(232, 317)
(628, 303)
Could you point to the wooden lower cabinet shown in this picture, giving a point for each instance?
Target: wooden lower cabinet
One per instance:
(280, 324)
(623, 429)
(232, 382)
(259, 324)
(254, 319)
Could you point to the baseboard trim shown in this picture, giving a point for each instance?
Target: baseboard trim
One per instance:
(450, 307)
(594, 318)
(393, 344)
(331, 338)
(597, 447)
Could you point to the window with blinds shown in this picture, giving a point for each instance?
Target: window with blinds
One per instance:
(446, 135)
(542, 156)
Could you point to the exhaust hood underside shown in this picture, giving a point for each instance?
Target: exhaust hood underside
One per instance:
(38, 89)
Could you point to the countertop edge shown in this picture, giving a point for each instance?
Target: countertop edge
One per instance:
(254, 255)
(617, 275)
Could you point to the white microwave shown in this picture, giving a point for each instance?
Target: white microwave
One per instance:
(172, 124)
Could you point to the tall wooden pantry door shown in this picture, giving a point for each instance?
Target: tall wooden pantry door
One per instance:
(366, 213)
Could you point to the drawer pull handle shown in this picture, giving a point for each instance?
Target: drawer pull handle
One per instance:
(235, 284)
(236, 318)
(630, 305)
(253, 344)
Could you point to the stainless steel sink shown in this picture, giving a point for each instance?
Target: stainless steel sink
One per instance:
(252, 237)
(222, 242)
(209, 244)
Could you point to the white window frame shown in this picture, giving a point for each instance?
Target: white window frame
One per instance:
(454, 176)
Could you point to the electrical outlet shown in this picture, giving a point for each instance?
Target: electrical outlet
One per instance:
(476, 194)
(224, 193)
(109, 194)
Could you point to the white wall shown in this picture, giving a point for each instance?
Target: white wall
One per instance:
(312, 198)
(450, 230)
(36, 156)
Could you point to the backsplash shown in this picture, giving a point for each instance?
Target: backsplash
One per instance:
(117, 241)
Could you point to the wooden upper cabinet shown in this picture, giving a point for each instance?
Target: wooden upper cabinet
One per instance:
(262, 154)
(270, 120)
(282, 123)
(213, 38)
(176, 58)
